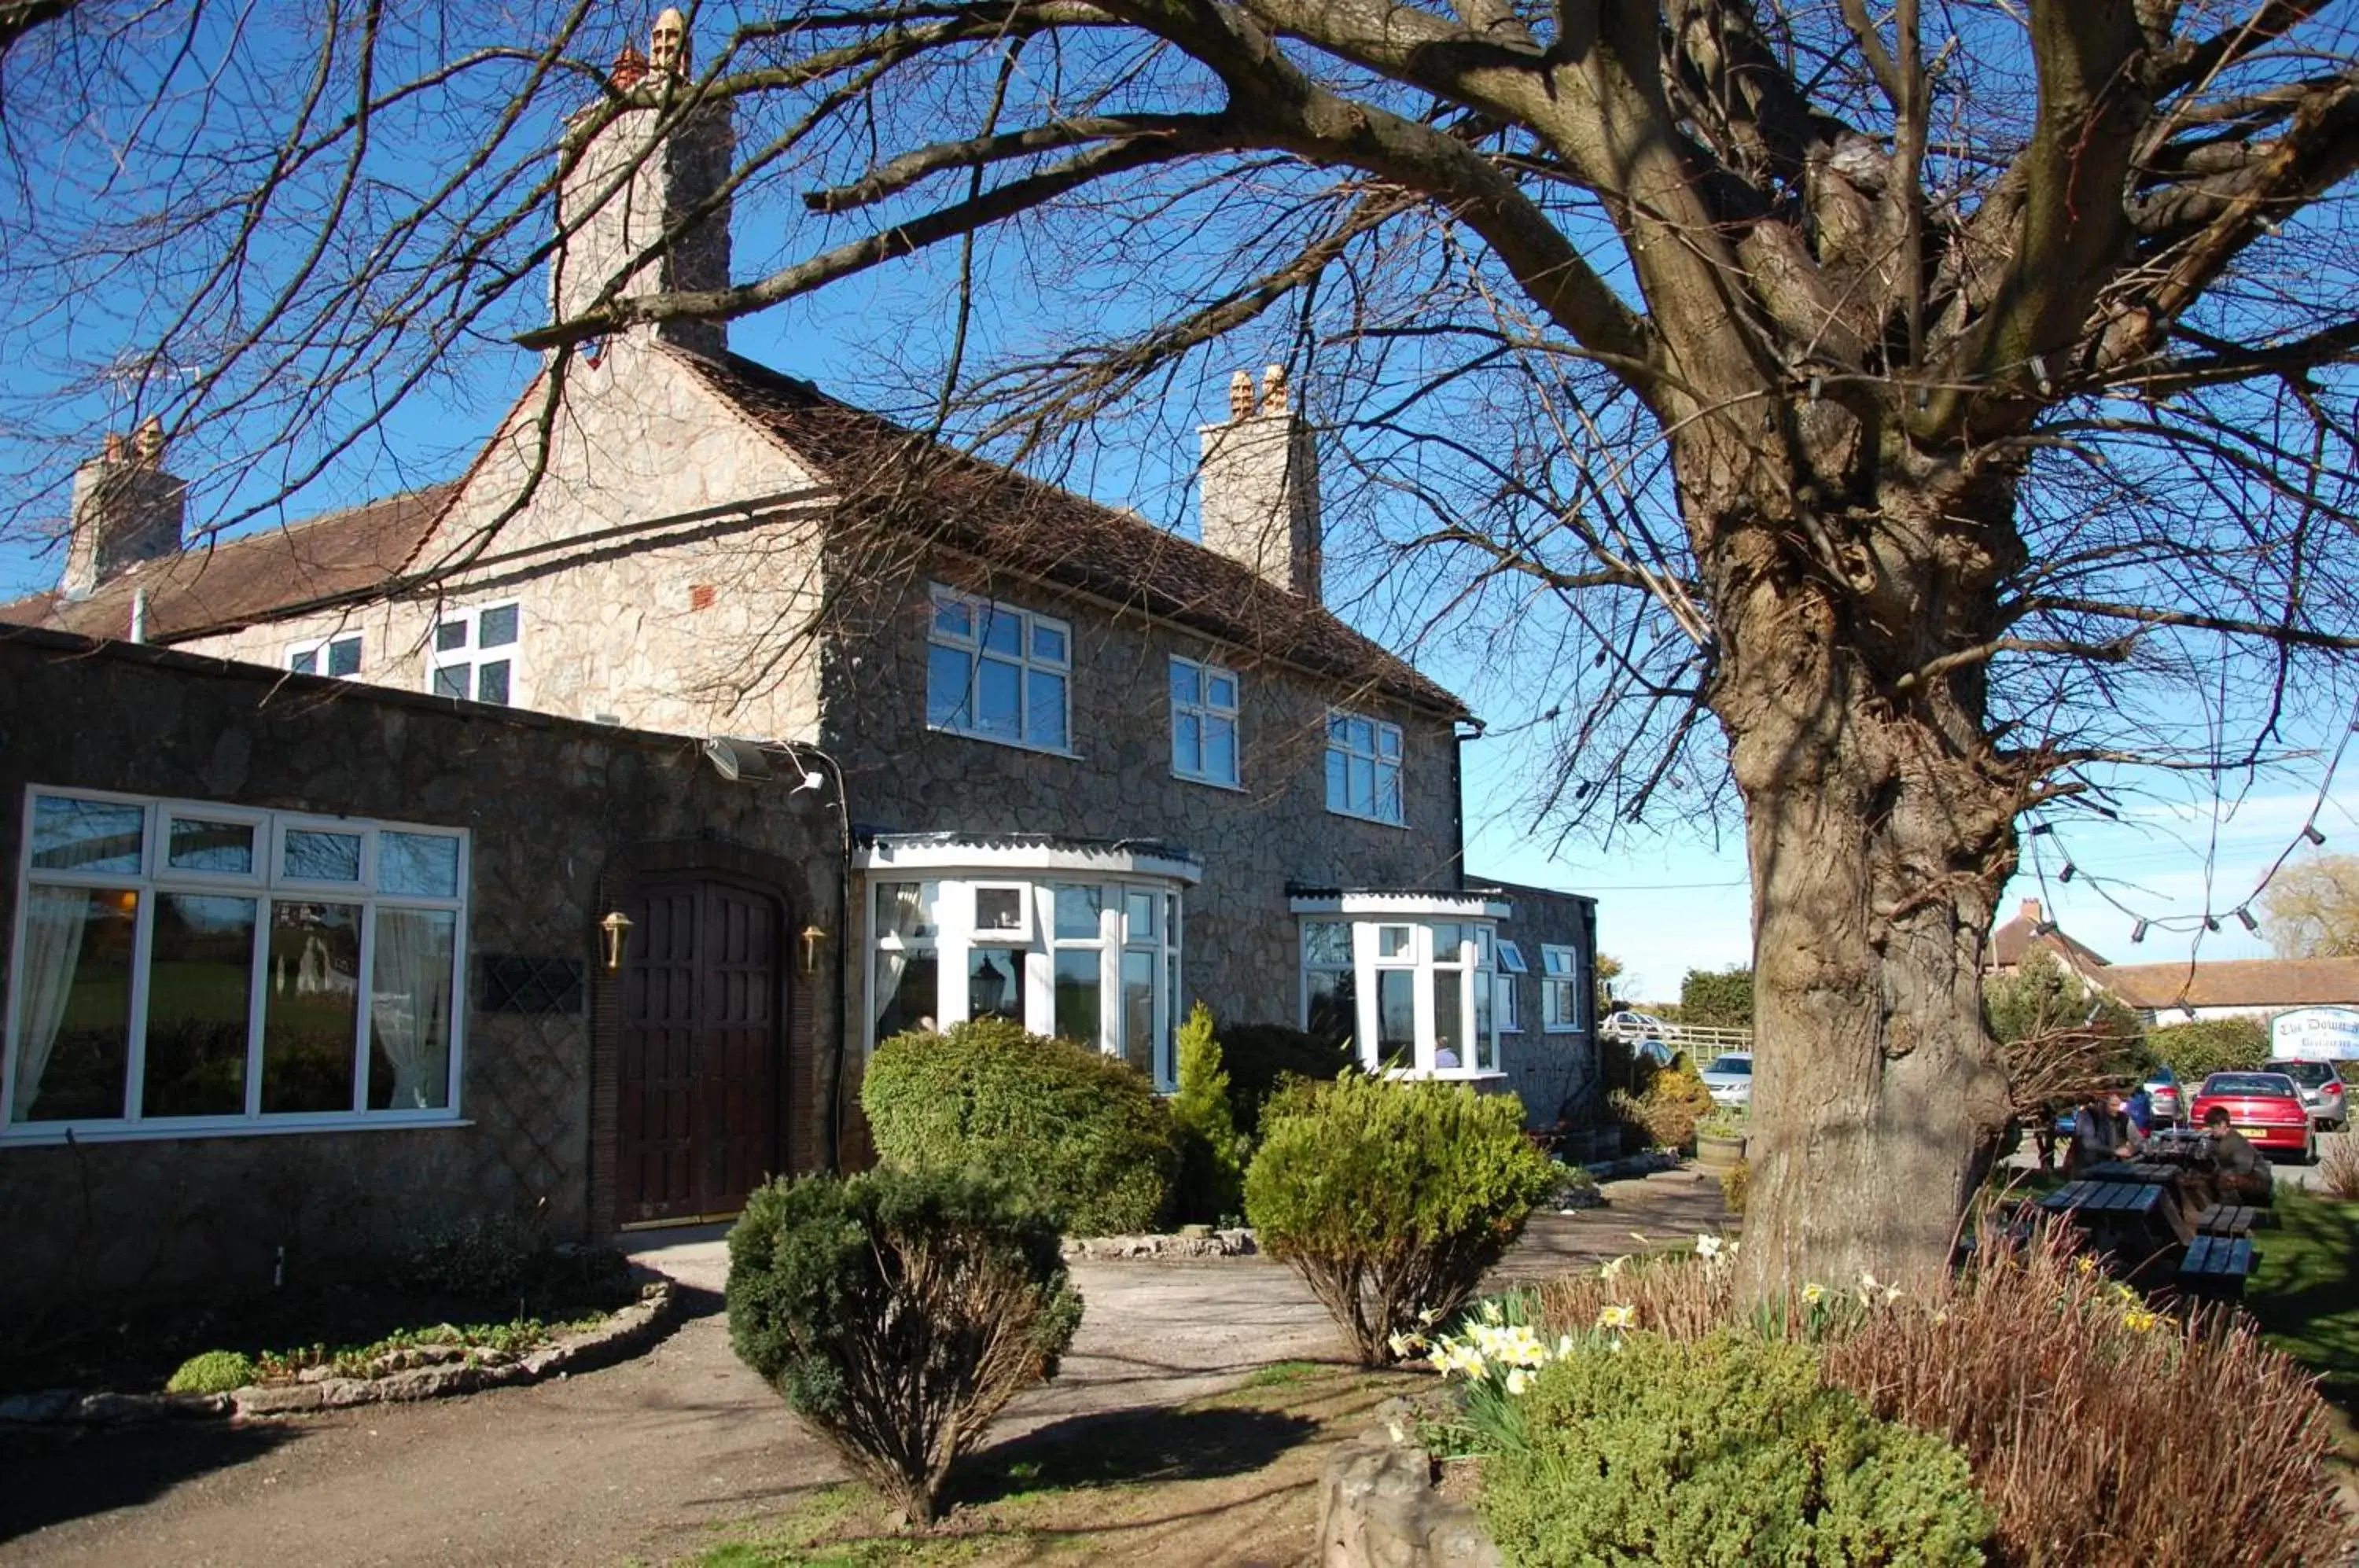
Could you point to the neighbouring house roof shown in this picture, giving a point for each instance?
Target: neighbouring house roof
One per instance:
(2031, 929)
(2235, 983)
(1020, 524)
(335, 557)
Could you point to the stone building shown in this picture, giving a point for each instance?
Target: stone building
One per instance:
(1066, 766)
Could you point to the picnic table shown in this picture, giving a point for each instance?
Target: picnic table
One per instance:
(2161, 1216)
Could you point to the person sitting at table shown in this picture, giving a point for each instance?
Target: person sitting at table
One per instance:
(2243, 1171)
(2096, 1134)
(2140, 1109)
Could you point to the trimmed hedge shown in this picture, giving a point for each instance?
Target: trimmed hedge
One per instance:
(1725, 1450)
(1078, 1130)
(897, 1312)
(1392, 1198)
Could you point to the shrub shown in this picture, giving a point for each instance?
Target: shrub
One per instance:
(2210, 1045)
(1261, 1057)
(1078, 1129)
(1722, 1449)
(898, 1311)
(2338, 1168)
(1664, 1113)
(1392, 1198)
(478, 1257)
(214, 1372)
(1571, 1186)
(1736, 1185)
(1210, 1187)
(1723, 1121)
(2102, 1433)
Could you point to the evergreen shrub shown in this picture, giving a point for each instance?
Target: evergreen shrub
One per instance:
(1392, 1198)
(1211, 1188)
(1261, 1058)
(1726, 1449)
(898, 1311)
(2195, 1050)
(1078, 1131)
(213, 1372)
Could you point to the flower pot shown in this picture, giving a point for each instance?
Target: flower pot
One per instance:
(1718, 1153)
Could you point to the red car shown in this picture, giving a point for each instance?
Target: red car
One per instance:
(2265, 1106)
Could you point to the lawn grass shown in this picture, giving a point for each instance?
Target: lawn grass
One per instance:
(2305, 1290)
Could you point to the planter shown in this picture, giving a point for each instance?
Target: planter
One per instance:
(1718, 1153)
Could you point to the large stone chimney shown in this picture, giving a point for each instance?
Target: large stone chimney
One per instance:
(127, 510)
(619, 215)
(1260, 479)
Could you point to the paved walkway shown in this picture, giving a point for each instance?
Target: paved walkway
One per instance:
(647, 1460)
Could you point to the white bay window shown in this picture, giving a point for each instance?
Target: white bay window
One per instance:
(1409, 977)
(188, 967)
(1064, 937)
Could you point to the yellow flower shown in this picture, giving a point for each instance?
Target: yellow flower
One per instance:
(2139, 1321)
(2085, 1265)
(1813, 1293)
(1616, 1316)
(1519, 1380)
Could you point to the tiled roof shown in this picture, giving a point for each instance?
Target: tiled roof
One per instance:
(2235, 983)
(2018, 936)
(334, 556)
(1037, 531)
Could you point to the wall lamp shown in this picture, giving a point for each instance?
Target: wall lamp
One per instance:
(616, 928)
(735, 758)
(812, 936)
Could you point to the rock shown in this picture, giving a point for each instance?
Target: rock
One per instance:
(48, 1405)
(1378, 1508)
(319, 1374)
(280, 1398)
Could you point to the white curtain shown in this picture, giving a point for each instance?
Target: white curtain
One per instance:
(410, 1004)
(54, 919)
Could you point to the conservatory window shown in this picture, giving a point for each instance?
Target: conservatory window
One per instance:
(998, 672)
(1418, 994)
(188, 967)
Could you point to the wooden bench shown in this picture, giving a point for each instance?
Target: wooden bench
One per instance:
(2234, 1219)
(2146, 1172)
(2216, 1266)
(2096, 1199)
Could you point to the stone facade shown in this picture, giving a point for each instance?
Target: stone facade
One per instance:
(127, 508)
(1273, 831)
(1553, 1072)
(1259, 480)
(561, 815)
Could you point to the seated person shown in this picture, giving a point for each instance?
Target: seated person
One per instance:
(2096, 1134)
(2243, 1171)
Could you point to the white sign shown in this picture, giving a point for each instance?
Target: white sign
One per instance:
(2316, 1034)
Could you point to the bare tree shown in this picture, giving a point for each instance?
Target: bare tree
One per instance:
(1904, 419)
(2311, 907)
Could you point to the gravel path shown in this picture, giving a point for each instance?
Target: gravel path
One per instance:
(644, 1461)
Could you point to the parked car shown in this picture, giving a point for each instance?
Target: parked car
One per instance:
(1730, 1078)
(2265, 1107)
(2321, 1091)
(2169, 1104)
(1624, 1023)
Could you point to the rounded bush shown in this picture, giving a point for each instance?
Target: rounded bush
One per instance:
(213, 1372)
(1725, 1450)
(1260, 1057)
(1076, 1129)
(898, 1311)
(1392, 1198)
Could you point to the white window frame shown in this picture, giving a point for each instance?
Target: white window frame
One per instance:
(1339, 748)
(957, 941)
(470, 655)
(266, 883)
(1471, 958)
(1209, 715)
(1559, 990)
(1030, 666)
(318, 650)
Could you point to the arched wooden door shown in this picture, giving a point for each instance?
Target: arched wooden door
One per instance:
(703, 1005)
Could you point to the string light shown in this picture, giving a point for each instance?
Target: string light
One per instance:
(2066, 875)
(2137, 932)
(2310, 831)
(2251, 924)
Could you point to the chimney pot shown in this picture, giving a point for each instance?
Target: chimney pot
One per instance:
(127, 510)
(1260, 480)
(630, 70)
(1241, 396)
(1273, 389)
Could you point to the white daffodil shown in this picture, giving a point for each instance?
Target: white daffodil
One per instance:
(1813, 1293)
(1614, 1265)
(1707, 1248)
(1617, 1316)
(1519, 1380)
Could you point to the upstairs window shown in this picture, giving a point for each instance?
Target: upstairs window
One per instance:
(1559, 990)
(475, 653)
(338, 656)
(998, 672)
(1364, 767)
(1203, 721)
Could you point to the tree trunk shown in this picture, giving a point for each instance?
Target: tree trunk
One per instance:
(1880, 826)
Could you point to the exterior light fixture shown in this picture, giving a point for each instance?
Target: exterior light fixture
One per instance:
(735, 758)
(812, 936)
(616, 928)
(2310, 831)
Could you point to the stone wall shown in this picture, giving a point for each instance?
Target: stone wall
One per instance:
(1240, 955)
(662, 557)
(1550, 1072)
(560, 812)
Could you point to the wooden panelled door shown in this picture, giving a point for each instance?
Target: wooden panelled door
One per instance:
(703, 1004)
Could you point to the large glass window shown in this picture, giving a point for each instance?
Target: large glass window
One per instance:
(1364, 767)
(998, 672)
(475, 653)
(1417, 995)
(1203, 721)
(1096, 962)
(198, 967)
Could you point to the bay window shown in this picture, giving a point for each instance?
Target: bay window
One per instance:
(195, 967)
(1077, 941)
(1415, 990)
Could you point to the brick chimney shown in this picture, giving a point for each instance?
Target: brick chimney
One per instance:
(1260, 478)
(621, 214)
(2031, 911)
(127, 510)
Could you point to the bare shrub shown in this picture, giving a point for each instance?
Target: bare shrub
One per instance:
(2338, 1168)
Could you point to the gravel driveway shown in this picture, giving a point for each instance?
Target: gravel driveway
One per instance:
(644, 1461)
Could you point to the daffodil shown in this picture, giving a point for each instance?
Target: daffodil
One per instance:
(1616, 1316)
(1813, 1293)
(1519, 1380)
(1707, 1248)
(1614, 1265)
(2139, 1320)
